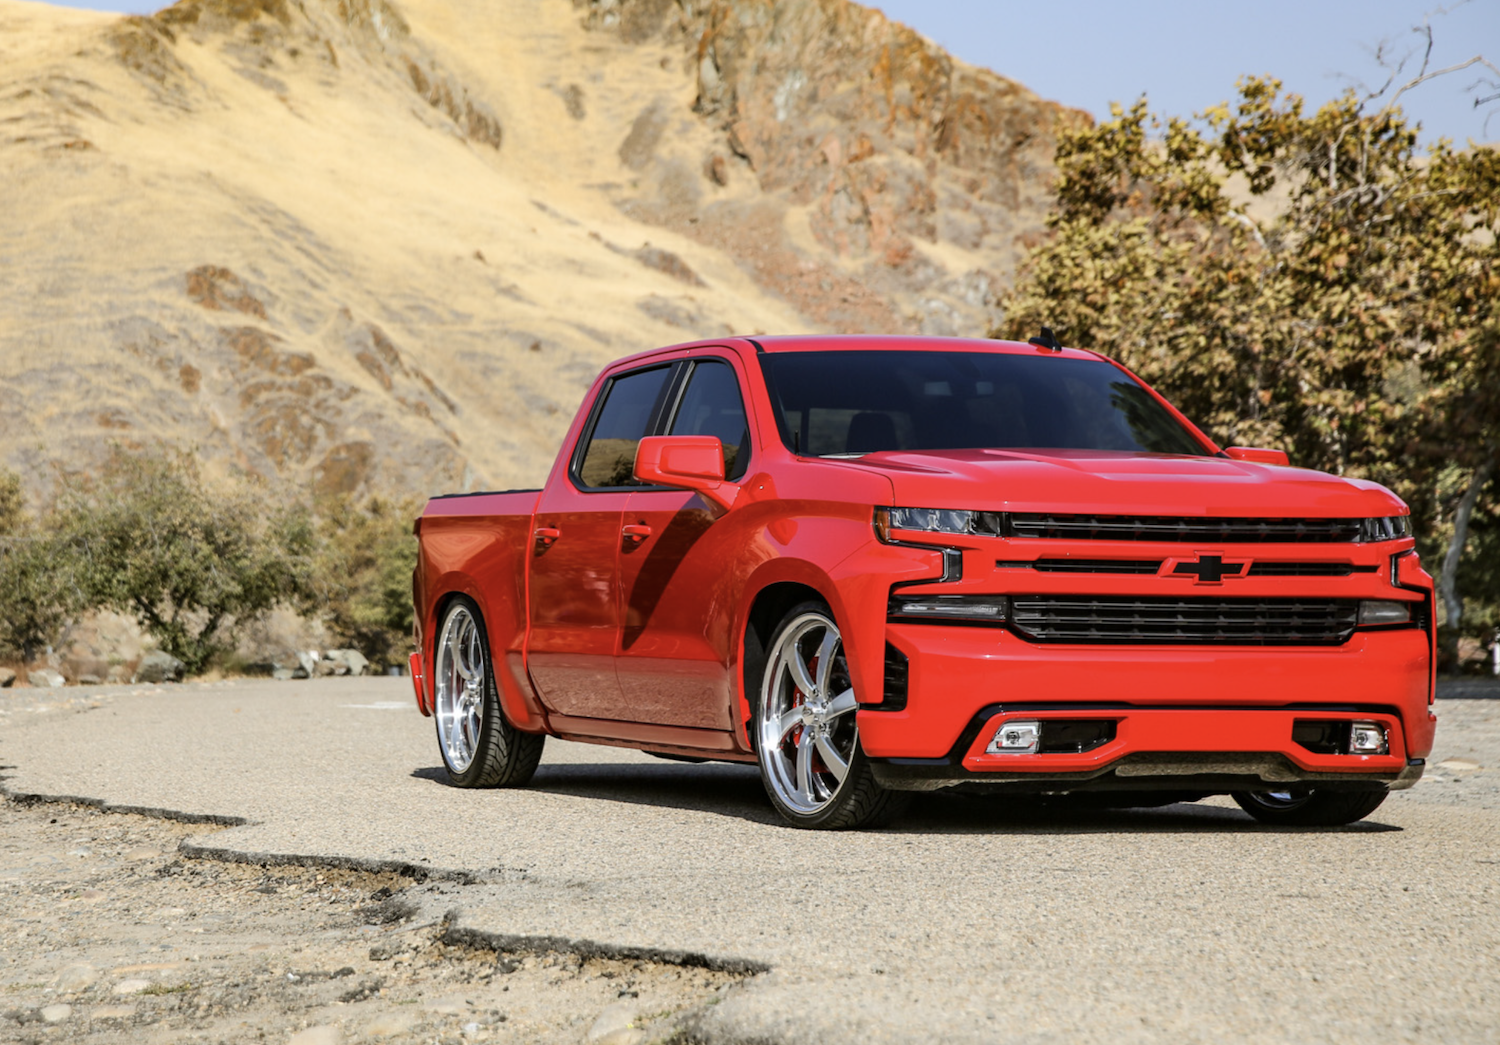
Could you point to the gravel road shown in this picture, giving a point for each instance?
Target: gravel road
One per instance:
(969, 920)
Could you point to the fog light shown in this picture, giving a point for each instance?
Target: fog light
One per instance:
(1381, 611)
(1368, 738)
(1016, 738)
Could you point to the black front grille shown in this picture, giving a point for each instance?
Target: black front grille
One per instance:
(1048, 526)
(1138, 566)
(1306, 569)
(1166, 621)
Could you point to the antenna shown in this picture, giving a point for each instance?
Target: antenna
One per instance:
(1047, 340)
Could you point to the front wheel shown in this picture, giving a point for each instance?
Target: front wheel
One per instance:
(479, 747)
(807, 737)
(1315, 807)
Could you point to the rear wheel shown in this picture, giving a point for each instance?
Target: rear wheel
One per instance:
(1309, 807)
(807, 737)
(479, 747)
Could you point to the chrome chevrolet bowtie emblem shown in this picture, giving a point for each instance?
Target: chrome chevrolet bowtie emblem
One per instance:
(1210, 569)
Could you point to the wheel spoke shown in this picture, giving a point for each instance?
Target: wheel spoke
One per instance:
(804, 766)
(826, 652)
(800, 675)
(789, 721)
(842, 704)
(832, 759)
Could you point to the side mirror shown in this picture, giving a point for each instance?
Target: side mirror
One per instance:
(687, 462)
(1257, 454)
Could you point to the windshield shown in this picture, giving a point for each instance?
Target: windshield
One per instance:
(834, 403)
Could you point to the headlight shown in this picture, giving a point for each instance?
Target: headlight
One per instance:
(1385, 528)
(967, 609)
(1381, 611)
(936, 520)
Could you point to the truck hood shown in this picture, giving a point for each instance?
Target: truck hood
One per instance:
(1114, 483)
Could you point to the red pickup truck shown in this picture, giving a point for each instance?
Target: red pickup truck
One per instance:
(878, 565)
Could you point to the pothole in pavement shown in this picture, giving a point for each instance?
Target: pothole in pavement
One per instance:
(113, 937)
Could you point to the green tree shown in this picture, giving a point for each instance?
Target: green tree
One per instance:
(183, 556)
(1304, 281)
(362, 584)
(37, 593)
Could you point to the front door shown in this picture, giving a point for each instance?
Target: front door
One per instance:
(677, 577)
(573, 591)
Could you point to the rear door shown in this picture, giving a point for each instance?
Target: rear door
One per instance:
(675, 577)
(574, 594)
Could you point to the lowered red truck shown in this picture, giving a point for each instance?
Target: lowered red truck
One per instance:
(882, 565)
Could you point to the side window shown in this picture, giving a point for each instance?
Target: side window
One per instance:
(629, 403)
(711, 405)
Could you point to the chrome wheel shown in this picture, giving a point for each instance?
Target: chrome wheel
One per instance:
(459, 688)
(807, 735)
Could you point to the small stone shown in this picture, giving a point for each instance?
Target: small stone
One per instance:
(80, 850)
(7, 678)
(325, 669)
(323, 1034)
(56, 1013)
(141, 852)
(90, 894)
(471, 1030)
(158, 666)
(88, 680)
(46, 678)
(284, 674)
(130, 987)
(76, 978)
(1458, 765)
(112, 1012)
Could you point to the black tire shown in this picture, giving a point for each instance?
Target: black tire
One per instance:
(1315, 807)
(495, 754)
(828, 803)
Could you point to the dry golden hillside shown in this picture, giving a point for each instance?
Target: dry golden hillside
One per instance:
(350, 244)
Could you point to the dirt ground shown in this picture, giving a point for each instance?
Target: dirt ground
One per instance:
(111, 938)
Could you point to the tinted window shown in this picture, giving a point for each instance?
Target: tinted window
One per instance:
(711, 405)
(629, 403)
(861, 402)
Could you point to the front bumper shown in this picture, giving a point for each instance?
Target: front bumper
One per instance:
(1199, 718)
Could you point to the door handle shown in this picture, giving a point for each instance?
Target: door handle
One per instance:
(635, 531)
(545, 535)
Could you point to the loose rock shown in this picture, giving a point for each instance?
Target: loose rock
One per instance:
(56, 1013)
(131, 986)
(45, 678)
(352, 660)
(7, 678)
(158, 666)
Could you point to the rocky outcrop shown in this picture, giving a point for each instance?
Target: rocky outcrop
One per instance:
(893, 147)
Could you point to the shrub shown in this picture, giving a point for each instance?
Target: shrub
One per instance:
(362, 575)
(183, 556)
(37, 592)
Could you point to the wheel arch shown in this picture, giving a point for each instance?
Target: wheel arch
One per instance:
(765, 608)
